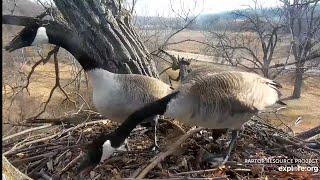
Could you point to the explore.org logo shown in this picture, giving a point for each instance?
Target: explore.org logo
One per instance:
(292, 168)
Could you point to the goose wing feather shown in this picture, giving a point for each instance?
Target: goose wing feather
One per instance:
(220, 99)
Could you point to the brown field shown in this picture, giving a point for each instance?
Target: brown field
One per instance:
(24, 106)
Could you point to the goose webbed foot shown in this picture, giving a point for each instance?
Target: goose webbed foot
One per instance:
(124, 147)
(220, 159)
(154, 149)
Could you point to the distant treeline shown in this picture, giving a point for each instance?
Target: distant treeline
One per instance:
(217, 21)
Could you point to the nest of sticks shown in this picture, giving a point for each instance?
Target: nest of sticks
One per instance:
(53, 151)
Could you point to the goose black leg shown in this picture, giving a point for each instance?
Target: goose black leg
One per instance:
(233, 140)
(219, 158)
(153, 122)
(155, 146)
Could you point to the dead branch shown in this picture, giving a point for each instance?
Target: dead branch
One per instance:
(57, 84)
(71, 163)
(197, 172)
(21, 20)
(37, 147)
(33, 158)
(25, 132)
(156, 160)
(29, 143)
(43, 175)
(33, 68)
(309, 133)
(76, 118)
(15, 148)
(298, 145)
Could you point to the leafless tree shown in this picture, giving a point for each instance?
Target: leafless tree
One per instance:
(252, 41)
(104, 30)
(303, 23)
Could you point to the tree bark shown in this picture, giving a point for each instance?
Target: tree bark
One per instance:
(10, 172)
(298, 81)
(107, 34)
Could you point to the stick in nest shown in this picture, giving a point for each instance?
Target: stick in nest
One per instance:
(156, 160)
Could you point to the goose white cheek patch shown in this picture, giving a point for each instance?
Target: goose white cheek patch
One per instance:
(41, 37)
(107, 150)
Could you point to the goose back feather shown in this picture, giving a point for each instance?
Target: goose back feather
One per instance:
(222, 100)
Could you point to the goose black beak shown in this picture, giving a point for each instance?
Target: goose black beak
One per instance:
(15, 44)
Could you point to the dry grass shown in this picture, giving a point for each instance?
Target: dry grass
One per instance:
(306, 107)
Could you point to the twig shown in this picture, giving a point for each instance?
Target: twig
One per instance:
(174, 124)
(43, 175)
(37, 147)
(18, 124)
(71, 163)
(172, 149)
(309, 133)
(26, 131)
(197, 172)
(33, 68)
(299, 145)
(29, 143)
(57, 84)
(30, 159)
(185, 178)
(52, 136)
(138, 171)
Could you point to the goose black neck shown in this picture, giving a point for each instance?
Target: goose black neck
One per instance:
(72, 43)
(158, 107)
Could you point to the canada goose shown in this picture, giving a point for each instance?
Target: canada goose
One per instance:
(212, 100)
(115, 96)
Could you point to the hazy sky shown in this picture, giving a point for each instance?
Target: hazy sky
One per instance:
(162, 7)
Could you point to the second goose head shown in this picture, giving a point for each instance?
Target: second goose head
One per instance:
(31, 36)
(59, 35)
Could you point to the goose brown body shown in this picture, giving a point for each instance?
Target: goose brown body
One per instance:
(222, 100)
(116, 96)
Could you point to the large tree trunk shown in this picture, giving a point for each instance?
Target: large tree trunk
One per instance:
(108, 35)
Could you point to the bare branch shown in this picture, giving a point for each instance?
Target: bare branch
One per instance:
(172, 149)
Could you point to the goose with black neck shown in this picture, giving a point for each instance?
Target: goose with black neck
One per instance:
(115, 96)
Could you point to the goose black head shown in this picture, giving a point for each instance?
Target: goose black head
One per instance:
(29, 36)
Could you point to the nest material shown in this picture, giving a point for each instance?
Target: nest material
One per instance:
(56, 152)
